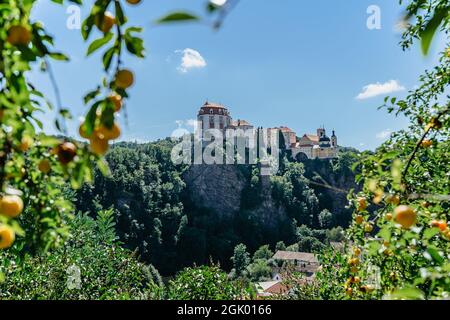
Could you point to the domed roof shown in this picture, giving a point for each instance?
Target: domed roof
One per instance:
(324, 139)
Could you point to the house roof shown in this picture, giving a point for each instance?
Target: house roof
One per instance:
(291, 255)
(239, 122)
(312, 137)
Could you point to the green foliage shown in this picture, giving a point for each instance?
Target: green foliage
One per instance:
(89, 266)
(241, 260)
(206, 283)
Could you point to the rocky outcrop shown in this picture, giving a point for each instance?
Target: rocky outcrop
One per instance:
(217, 187)
(222, 187)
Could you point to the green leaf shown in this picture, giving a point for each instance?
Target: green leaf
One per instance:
(180, 16)
(107, 58)
(59, 56)
(428, 33)
(405, 294)
(97, 44)
(430, 233)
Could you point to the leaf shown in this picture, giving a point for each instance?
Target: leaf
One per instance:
(434, 253)
(134, 45)
(428, 33)
(58, 56)
(179, 16)
(430, 233)
(107, 58)
(97, 44)
(405, 294)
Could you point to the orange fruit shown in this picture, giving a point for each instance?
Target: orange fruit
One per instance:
(11, 206)
(362, 204)
(19, 35)
(66, 152)
(99, 145)
(357, 252)
(426, 143)
(108, 134)
(25, 143)
(44, 166)
(105, 24)
(389, 216)
(356, 280)
(405, 216)
(117, 101)
(353, 261)
(7, 237)
(359, 219)
(133, 2)
(442, 226)
(124, 79)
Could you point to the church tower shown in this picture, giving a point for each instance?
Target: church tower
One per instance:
(334, 140)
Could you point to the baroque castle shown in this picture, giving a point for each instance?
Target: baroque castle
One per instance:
(309, 146)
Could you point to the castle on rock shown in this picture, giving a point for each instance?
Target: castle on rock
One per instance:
(308, 146)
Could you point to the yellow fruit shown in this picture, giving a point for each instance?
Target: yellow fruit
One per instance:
(357, 252)
(389, 216)
(117, 101)
(133, 1)
(11, 206)
(82, 132)
(356, 280)
(362, 204)
(124, 79)
(353, 261)
(108, 134)
(66, 151)
(359, 219)
(7, 237)
(426, 143)
(368, 228)
(405, 216)
(99, 145)
(393, 199)
(44, 166)
(19, 35)
(349, 291)
(25, 143)
(354, 269)
(106, 23)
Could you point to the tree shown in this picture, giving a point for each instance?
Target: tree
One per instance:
(206, 283)
(280, 246)
(240, 260)
(263, 253)
(405, 239)
(325, 219)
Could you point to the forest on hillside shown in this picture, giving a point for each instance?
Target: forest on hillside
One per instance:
(155, 214)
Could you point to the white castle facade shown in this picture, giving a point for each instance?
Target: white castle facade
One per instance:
(309, 146)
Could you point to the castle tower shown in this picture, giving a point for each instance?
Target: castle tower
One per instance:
(321, 132)
(334, 140)
(213, 116)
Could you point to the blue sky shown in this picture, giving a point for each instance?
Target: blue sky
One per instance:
(295, 63)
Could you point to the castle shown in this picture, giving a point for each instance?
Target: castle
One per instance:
(309, 146)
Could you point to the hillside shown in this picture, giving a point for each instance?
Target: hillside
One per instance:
(176, 216)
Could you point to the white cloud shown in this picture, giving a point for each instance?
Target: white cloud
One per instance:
(376, 89)
(218, 2)
(384, 134)
(191, 59)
